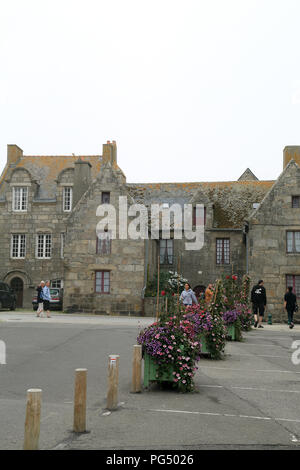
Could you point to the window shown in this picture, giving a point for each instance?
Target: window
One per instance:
(223, 250)
(105, 198)
(102, 282)
(18, 246)
(44, 242)
(67, 198)
(295, 202)
(57, 283)
(20, 199)
(166, 250)
(104, 243)
(199, 216)
(293, 242)
(294, 282)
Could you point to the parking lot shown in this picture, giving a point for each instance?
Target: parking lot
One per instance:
(251, 399)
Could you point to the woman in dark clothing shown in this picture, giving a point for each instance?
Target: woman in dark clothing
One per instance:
(290, 302)
(40, 299)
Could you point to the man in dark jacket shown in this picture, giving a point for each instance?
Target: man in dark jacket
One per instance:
(259, 302)
(290, 302)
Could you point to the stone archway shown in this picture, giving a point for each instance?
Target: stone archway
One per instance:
(23, 293)
(199, 290)
(17, 285)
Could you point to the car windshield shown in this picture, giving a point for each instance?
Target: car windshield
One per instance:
(54, 292)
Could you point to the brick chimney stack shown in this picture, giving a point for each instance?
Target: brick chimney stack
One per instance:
(109, 152)
(291, 152)
(14, 153)
(82, 179)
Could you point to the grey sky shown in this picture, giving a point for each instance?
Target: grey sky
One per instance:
(191, 90)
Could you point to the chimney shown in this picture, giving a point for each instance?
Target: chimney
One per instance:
(14, 153)
(291, 152)
(82, 179)
(109, 152)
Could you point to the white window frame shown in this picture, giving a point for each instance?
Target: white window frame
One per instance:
(22, 200)
(104, 243)
(43, 246)
(67, 201)
(166, 251)
(20, 246)
(55, 282)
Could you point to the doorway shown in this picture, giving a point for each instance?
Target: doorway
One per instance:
(18, 287)
(199, 290)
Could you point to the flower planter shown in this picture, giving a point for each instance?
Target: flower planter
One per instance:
(151, 372)
(204, 348)
(233, 332)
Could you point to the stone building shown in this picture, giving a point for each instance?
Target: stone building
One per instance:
(48, 220)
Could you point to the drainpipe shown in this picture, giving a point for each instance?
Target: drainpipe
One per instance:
(246, 231)
(145, 275)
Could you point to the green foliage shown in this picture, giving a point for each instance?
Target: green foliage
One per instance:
(169, 281)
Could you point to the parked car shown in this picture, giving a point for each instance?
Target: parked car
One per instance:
(8, 299)
(56, 302)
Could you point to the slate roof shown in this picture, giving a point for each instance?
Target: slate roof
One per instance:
(232, 200)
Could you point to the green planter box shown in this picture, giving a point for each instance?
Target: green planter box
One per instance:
(231, 332)
(151, 372)
(204, 348)
(234, 333)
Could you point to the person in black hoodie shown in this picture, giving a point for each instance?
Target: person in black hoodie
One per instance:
(259, 302)
(290, 302)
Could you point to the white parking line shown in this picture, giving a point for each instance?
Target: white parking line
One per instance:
(272, 337)
(250, 370)
(261, 345)
(200, 413)
(250, 388)
(258, 355)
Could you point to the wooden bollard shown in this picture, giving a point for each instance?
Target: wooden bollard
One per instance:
(79, 424)
(33, 419)
(136, 369)
(113, 382)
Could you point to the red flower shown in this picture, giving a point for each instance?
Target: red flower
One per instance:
(234, 278)
(227, 277)
(163, 292)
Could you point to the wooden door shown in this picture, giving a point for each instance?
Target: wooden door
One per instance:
(18, 287)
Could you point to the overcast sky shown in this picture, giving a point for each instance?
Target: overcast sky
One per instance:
(191, 90)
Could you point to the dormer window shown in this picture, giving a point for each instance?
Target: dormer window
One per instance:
(67, 198)
(20, 199)
(105, 197)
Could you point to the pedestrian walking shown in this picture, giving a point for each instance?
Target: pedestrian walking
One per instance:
(47, 298)
(40, 299)
(188, 296)
(259, 302)
(208, 293)
(290, 304)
